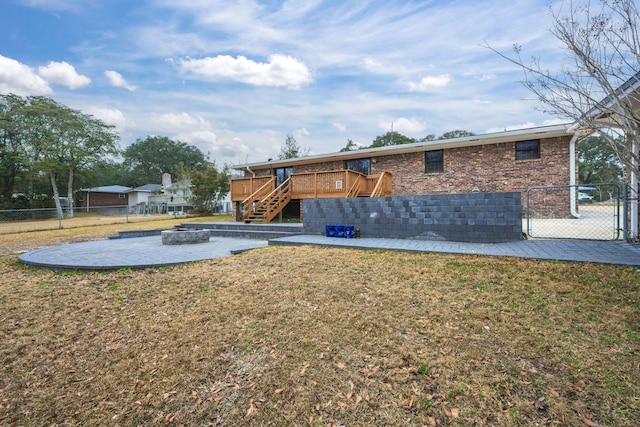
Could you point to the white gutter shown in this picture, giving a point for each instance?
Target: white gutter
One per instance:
(572, 175)
(249, 170)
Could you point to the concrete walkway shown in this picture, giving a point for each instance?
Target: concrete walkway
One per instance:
(606, 252)
(144, 252)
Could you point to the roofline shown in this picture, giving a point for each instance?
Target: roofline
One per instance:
(104, 189)
(467, 141)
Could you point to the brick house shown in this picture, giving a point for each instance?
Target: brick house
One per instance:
(509, 161)
(107, 196)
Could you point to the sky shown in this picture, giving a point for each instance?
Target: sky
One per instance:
(234, 78)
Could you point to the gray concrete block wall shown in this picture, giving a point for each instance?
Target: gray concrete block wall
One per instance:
(472, 217)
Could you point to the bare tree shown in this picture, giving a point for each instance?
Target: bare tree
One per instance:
(600, 90)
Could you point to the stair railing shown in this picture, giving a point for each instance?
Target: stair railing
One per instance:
(381, 186)
(249, 204)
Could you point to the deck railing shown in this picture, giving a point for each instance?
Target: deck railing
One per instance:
(315, 185)
(321, 185)
(243, 188)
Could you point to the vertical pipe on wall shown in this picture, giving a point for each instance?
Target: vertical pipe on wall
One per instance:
(572, 175)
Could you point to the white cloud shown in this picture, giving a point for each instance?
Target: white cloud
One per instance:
(110, 116)
(340, 126)
(404, 126)
(430, 82)
(279, 71)
(56, 6)
(64, 74)
(525, 125)
(299, 133)
(20, 79)
(117, 80)
(179, 122)
(371, 65)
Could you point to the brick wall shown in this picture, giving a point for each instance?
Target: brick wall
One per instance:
(472, 217)
(102, 199)
(487, 168)
(484, 168)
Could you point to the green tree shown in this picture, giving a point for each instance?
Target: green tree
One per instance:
(12, 162)
(455, 134)
(391, 138)
(63, 141)
(208, 187)
(598, 162)
(291, 149)
(351, 146)
(430, 137)
(146, 160)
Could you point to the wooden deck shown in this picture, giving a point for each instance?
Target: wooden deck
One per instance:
(315, 185)
(262, 200)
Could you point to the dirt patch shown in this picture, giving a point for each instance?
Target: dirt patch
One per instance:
(320, 337)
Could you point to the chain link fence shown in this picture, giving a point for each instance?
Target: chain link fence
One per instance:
(19, 220)
(590, 212)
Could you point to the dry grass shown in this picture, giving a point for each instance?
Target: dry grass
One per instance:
(320, 337)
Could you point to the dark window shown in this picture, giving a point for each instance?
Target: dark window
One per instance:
(433, 161)
(120, 196)
(526, 150)
(282, 174)
(359, 165)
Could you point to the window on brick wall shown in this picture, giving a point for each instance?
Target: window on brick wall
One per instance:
(121, 196)
(359, 165)
(526, 150)
(282, 174)
(434, 161)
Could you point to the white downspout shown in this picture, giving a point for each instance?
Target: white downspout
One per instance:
(572, 175)
(633, 211)
(250, 171)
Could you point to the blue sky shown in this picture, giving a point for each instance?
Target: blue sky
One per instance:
(235, 77)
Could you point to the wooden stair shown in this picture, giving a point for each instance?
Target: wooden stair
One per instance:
(266, 209)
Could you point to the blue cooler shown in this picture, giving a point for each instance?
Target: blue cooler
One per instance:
(330, 231)
(349, 231)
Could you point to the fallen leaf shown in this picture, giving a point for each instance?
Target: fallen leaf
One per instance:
(453, 413)
(554, 393)
(588, 422)
(251, 409)
(304, 369)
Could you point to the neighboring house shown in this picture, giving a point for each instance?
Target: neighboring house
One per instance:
(174, 198)
(509, 161)
(139, 198)
(107, 196)
(224, 205)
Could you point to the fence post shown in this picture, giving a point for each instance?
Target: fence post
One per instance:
(625, 213)
(126, 214)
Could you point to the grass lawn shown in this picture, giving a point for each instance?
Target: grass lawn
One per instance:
(318, 337)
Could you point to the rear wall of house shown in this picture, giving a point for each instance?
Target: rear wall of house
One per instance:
(487, 168)
(483, 168)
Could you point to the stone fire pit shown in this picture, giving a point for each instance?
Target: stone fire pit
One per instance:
(185, 236)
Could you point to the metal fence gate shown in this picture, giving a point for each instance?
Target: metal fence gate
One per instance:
(574, 212)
